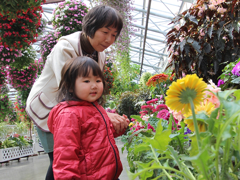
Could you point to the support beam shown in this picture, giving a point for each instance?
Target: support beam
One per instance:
(150, 29)
(145, 34)
(154, 39)
(155, 14)
(154, 67)
(154, 52)
(145, 53)
(53, 1)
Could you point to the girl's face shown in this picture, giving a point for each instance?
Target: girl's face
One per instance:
(103, 38)
(89, 88)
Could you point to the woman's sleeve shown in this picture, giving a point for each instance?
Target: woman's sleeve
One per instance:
(67, 132)
(62, 51)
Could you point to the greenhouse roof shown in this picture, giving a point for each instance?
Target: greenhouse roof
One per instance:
(152, 20)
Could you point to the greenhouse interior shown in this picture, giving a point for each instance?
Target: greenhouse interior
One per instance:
(120, 89)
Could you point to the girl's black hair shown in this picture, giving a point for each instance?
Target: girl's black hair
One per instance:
(74, 68)
(101, 16)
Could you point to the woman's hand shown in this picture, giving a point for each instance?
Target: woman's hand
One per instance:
(119, 122)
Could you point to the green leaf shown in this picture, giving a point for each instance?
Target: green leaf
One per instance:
(193, 150)
(138, 118)
(202, 161)
(226, 133)
(237, 95)
(236, 80)
(170, 122)
(141, 147)
(141, 166)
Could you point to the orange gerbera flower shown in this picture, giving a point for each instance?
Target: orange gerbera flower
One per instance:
(156, 79)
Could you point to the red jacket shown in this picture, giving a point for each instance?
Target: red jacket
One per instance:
(84, 145)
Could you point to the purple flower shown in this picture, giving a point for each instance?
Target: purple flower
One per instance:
(220, 82)
(236, 69)
(188, 131)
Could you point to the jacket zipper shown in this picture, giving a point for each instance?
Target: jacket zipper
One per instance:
(108, 139)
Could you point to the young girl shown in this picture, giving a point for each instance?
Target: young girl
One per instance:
(84, 145)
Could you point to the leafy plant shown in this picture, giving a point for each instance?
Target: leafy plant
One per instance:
(127, 103)
(7, 113)
(206, 39)
(230, 76)
(144, 78)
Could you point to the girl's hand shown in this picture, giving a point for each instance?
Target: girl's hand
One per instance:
(119, 122)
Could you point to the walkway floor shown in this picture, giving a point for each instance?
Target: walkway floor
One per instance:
(35, 167)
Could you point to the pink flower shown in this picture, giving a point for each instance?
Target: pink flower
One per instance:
(177, 27)
(145, 118)
(150, 127)
(159, 107)
(177, 115)
(163, 114)
(212, 7)
(153, 101)
(209, 96)
(147, 107)
(221, 10)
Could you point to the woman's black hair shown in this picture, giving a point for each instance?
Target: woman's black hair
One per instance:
(74, 68)
(101, 16)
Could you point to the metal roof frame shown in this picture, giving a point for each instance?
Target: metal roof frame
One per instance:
(148, 46)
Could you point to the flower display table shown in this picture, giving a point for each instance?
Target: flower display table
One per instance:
(15, 153)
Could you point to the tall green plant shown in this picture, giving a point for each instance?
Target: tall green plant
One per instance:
(213, 154)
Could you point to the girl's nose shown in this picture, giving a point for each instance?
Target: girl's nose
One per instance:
(94, 85)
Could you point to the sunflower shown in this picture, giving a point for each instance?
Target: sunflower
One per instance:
(178, 93)
(156, 79)
(207, 107)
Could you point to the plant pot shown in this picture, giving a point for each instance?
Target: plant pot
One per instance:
(15, 153)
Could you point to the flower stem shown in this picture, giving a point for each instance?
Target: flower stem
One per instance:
(161, 90)
(169, 177)
(196, 129)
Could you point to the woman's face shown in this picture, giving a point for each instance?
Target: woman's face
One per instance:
(103, 38)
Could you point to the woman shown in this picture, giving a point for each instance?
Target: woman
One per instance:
(101, 27)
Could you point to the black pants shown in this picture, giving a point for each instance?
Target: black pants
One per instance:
(49, 175)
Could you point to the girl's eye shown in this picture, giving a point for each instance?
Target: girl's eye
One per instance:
(99, 80)
(105, 32)
(86, 81)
